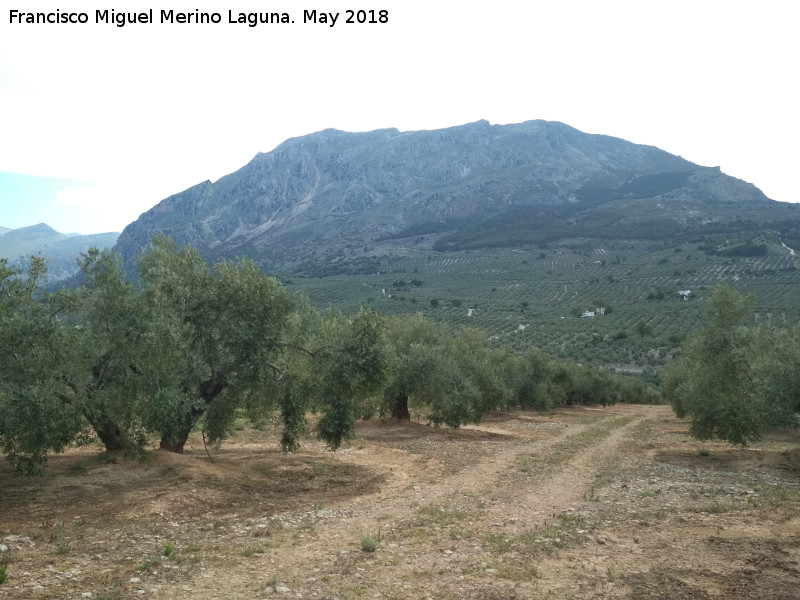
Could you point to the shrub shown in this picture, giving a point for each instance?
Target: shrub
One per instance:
(368, 543)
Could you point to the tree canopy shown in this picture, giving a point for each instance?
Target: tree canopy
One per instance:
(735, 381)
(185, 347)
(188, 344)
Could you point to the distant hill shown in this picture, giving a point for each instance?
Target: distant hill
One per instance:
(62, 250)
(333, 197)
(26, 240)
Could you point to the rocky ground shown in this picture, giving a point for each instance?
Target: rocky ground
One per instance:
(611, 502)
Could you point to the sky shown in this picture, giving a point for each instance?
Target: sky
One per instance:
(98, 123)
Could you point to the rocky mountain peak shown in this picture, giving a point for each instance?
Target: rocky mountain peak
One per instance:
(338, 193)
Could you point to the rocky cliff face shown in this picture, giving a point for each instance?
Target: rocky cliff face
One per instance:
(336, 192)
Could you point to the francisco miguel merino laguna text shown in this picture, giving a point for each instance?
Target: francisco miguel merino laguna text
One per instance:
(251, 19)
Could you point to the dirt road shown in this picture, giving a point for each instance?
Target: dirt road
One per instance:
(581, 503)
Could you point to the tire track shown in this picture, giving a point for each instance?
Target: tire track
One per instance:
(415, 548)
(555, 493)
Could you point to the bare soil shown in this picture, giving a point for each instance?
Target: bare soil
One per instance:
(613, 502)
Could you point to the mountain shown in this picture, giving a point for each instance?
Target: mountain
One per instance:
(26, 240)
(336, 196)
(62, 250)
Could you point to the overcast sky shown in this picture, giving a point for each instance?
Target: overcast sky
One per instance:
(99, 123)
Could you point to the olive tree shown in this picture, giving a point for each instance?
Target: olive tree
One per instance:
(537, 387)
(36, 416)
(187, 346)
(73, 362)
(113, 343)
(453, 377)
(734, 381)
(227, 328)
(340, 379)
(240, 339)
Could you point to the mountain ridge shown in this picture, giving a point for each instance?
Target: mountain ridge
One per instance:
(338, 194)
(61, 250)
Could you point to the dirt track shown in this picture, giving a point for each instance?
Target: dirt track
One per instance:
(583, 503)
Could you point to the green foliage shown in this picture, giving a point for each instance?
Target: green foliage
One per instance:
(226, 329)
(452, 377)
(572, 277)
(59, 538)
(368, 543)
(735, 381)
(114, 345)
(353, 372)
(585, 385)
(537, 388)
(36, 414)
(188, 347)
(747, 249)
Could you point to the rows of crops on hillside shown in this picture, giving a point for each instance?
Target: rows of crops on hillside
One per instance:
(537, 297)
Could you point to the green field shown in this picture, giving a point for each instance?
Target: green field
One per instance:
(537, 296)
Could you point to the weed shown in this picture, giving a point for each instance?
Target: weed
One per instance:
(59, 538)
(524, 463)
(779, 498)
(498, 541)
(591, 494)
(249, 551)
(168, 549)
(3, 574)
(194, 548)
(650, 493)
(556, 535)
(307, 527)
(146, 566)
(441, 515)
(703, 452)
(717, 508)
(458, 533)
(261, 532)
(368, 543)
(115, 593)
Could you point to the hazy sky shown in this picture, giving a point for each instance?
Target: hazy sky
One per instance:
(106, 121)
